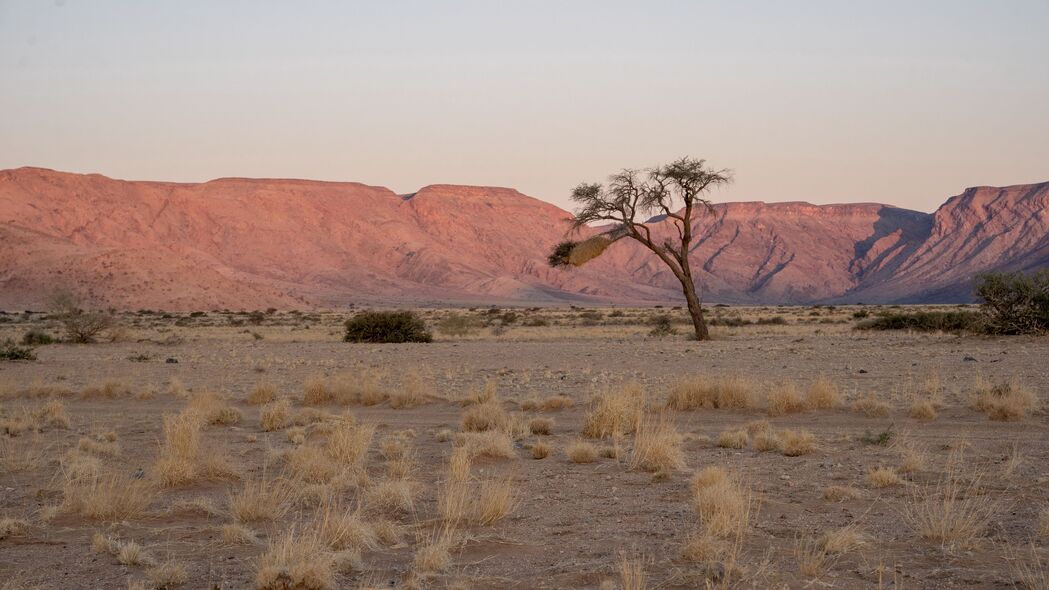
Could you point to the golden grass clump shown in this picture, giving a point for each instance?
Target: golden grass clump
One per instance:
(12, 527)
(541, 425)
(238, 534)
(721, 501)
(734, 439)
(882, 477)
(540, 450)
(168, 574)
(843, 540)
(1006, 401)
(275, 415)
(823, 394)
(434, 555)
(209, 408)
(767, 440)
(495, 500)
(703, 548)
(955, 511)
(311, 464)
(785, 399)
(489, 415)
(315, 392)
(581, 452)
(871, 407)
(614, 412)
(922, 410)
(348, 443)
(262, 499)
(797, 442)
(694, 393)
(555, 403)
(296, 560)
(263, 393)
(657, 446)
(340, 528)
(105, 496)
(494, 444)
(179, 452)
(413, 390)
(392, 496)
(840, 493)
(632, 574)
(811, 558)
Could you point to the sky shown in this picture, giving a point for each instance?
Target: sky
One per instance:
(900, 102)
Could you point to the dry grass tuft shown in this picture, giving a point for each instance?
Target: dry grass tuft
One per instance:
(412, 391)
(105, 496)
(581, 452)
(823, 394)
(169, 574)
(882, 477)
(12, 527)
(614, 412)
(657, 446)
(840, 493)
(1004, 401)
(798, 442)
(263, 393)
(922, 410)
(298, 561)
(435, 554)
(209, 408)
(486, 416)
(339, 528)
(843, 540)
(955, 511)
(495, 500)
(734, 439)
(811, 557)
(722, 502)
(180, 450)
(704, 548)
(785, 399)
(541, 425)
(555, 403)
(632, 574)
(275, 415)
(238, 534)
(767, 440)
(540, 450)
(871, 407)
(348, 443)
(493, 444)
(392, 496)
(695, 393)
(262, 499)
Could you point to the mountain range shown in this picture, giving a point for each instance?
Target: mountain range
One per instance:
(239, 243)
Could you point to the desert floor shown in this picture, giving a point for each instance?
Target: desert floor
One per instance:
(97, 495)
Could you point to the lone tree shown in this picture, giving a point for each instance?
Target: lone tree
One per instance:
(674, 191)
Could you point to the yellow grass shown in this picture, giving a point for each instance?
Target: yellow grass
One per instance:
(262, 499)
(1004, 401)
(882, 477)
(297, 561)
(657, 446)
(922, 410)
(840, 493)
(695, 393)
(871, 407)
(263, 393)
(485, 416)
(495, 500)
(954, 512)
(540, 450)
(823, 394)
(734, 439)
(614, 412)
(275, 415)
(106, 496)
(493, 444)
(581, 452)
(541, 425)
(722, 503)
(168, 574)
(785, 399)
(797, 442)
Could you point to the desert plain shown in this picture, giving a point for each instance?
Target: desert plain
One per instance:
(524, 448)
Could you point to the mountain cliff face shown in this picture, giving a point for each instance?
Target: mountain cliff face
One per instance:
(255, 243)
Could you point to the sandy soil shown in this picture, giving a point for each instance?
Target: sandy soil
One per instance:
(572, 524)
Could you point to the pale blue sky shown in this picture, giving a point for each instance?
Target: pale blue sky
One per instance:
(826, 101)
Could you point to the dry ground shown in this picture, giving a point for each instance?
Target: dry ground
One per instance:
(415, 512)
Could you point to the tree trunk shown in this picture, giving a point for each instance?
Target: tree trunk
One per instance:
(694, 308)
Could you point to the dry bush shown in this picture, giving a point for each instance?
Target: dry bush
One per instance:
(811, 557)
(721, 501)
(348, 443)
(238, 534)
(657, 446)
(922, 410)
(632, 574)
(209, 408)
(955, 511)
(364, 387)
(1032, 572)
(179, 452)
(434, 555)
(871, 407)
(311, 464)
(485, 416)
(581, 452)
(913, 455)
(704, 548)
(296, 561)
(1004, 401)
(767, 440)
(734, 439)
(528, 405)
(263, 393)
(785, 399)
(316, 392)
(108, 390)
(105, 496)
(840, 493)
(613, 413)
(495, 499)
(493, 444)
(340, 528)
(412, 391)
(882, 477)
(97, 447)
(392, 496)
(275, 415)
(486, 394)
(695, 393)
(541, 425)
(823, 394)
(843, 540)
(540, 450)
(262, 499)
(556, 402)
(12, 527)
(755, 427)
(798, 442)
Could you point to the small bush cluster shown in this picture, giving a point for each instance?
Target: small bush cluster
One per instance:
(387, 327)
(9, 351)
(926, 321)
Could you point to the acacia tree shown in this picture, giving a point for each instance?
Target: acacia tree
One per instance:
(675, 191)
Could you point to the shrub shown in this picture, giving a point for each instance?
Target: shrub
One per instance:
(458, 325)
(926, 321)
(661, 326)
(386, 327)
(1014, 303)
(9, 351)
(37, 338)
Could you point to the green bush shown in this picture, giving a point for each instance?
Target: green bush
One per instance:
(37, 338)
(926, 321)
(1015, 303)
(386, 327)
(662, 325)
(9, 351)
